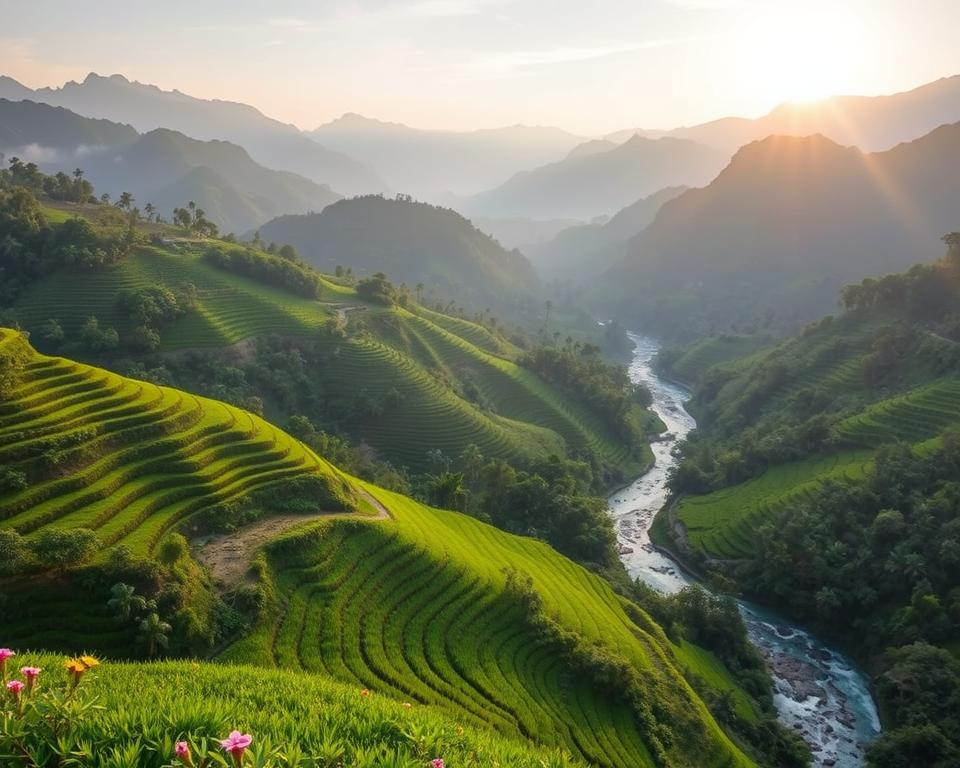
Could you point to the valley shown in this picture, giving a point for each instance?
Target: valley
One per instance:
(819, 692)
(471, 384)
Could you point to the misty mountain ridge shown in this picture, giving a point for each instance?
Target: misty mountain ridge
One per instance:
(871, 123)
(163, 167)
(590, 183)
(576, 253)
(436, 164)
(270, 142)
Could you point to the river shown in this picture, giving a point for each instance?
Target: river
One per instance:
(819, 693)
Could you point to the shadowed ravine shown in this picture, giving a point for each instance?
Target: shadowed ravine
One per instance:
(819, 693)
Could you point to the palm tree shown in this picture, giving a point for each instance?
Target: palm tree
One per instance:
(125, 601)
(548, 305)
(125, 201)
(149, 209)
(153, 632)
(419, 291)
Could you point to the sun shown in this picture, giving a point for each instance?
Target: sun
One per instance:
(799, 55)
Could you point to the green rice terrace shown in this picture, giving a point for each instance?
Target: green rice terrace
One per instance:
(832, 362)
(467, 624)
(424, 359)
(419, 607)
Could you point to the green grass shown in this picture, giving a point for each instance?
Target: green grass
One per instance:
(145, 708)
(131, 460)
(522, 417)
(415, 608)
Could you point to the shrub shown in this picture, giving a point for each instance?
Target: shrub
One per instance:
(15, 555)
(57, 548)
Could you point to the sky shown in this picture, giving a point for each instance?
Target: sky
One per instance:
(589, 67)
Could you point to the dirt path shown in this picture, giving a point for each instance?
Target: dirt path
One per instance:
(228, 556)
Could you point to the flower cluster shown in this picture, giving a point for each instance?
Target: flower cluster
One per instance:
(234, 745)
(5, 655)
(78, 666)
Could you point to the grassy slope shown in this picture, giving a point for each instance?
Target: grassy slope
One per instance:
(281, 709)
(690, 364)
(131, 460)
(415, 607)
(721, 523)
(404, 351)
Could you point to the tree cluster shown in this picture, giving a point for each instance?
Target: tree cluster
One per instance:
(606, 389)
(876, 561)
(378, 289)
(31, 248)
(194, 220)
(280, 271)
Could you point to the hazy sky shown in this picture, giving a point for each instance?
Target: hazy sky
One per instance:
(591, 67)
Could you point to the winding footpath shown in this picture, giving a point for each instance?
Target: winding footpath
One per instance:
(819, 693)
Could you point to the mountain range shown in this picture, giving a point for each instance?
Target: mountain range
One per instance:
(600, 180)
(872, 123)
(578, 252)
(776, 234)
(435, 164)
(163, 167)
(270, 142)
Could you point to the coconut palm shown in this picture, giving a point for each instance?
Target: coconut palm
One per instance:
(125, 601)
(154, 632)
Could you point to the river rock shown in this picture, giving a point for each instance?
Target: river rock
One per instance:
(799, 675)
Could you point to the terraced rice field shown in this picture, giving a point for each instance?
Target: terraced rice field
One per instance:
(696, 360)
(414, 607)
(129, 459)
(230, 308)
(919, 414)
(404, 352)
(722, 524)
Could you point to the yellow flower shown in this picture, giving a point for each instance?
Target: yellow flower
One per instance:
(76, 666)
(89, 662)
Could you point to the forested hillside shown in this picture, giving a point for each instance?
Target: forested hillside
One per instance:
(822, 478)
(413, 243)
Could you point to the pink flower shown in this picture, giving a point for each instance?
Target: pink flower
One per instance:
(31, 673)
(15, 686)
(436, 763)
(181, 750)
(5, 653)
(235, 743)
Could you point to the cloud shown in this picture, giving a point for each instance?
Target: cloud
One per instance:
(287, 22)
(710, 5)
(503, 63)
(442, 8)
